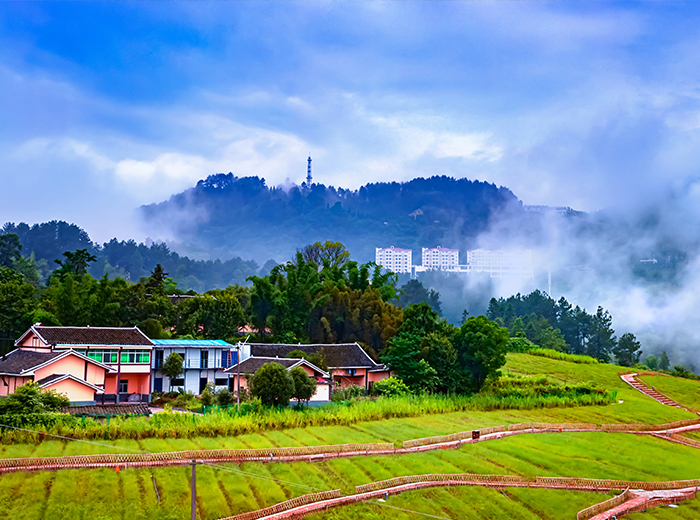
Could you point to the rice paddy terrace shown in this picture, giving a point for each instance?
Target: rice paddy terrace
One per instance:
(225, 489)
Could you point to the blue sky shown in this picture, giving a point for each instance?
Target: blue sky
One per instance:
(109, 105)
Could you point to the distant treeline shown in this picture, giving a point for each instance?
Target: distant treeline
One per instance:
(130, 260)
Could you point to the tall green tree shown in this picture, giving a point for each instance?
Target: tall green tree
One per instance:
(10, 249)
(664, 362)
(627, 350)
(481, 350)
(602, 337)
(215, 315)
(441, 355)
(173, 367)
(76, 262)
(272, 384)
(404, 359)
(304, 385)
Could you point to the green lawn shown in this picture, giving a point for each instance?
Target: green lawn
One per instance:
(683, 391)
(229, 489)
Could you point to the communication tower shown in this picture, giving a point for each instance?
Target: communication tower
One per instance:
(308, 173)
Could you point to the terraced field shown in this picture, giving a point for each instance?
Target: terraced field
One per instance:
(228, 489)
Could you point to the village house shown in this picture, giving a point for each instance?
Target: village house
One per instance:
(348, 363)
(86, 363)
(252, 364)
(204, 361)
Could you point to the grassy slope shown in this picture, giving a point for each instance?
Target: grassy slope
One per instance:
(228, 489)
(683, 391)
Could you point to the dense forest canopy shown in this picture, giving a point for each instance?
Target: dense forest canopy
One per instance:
(45, 243)
(228, 215)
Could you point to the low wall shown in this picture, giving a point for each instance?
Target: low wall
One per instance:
(287, 505)
(601, 507)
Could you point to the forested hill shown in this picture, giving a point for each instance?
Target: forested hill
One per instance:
(228, 215)
(47, 242)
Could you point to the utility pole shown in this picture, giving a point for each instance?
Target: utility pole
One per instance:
(238, 375)
(194, 488)
(238, 372)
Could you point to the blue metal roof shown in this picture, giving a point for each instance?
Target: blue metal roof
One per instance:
(192, 343)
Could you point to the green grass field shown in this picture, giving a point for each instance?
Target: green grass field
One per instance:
(228, 489)
(683, 391)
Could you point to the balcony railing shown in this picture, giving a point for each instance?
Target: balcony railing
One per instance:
(196, 363)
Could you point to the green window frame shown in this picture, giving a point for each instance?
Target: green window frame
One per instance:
(136, 356)
(103, 355)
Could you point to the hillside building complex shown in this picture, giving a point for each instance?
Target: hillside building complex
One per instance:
(394, 259)
(501, 263)
(439, 258)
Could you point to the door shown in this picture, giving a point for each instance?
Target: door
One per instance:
(158, 384)
(202, 384)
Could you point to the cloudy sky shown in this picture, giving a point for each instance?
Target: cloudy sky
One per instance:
(106, 106)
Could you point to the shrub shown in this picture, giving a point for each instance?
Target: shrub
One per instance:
(30, 399)
(390, 387)
(224, 397)
(347, 393)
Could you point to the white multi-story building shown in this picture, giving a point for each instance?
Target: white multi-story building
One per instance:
(440, 258)
(394, 259)
(501, 263)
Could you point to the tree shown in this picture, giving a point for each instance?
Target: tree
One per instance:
(17, 303)
(481, 350)
(627, 350)
(334, 253)
(602, 337)
(413, 292)
(304, 385)
(272, 384)
(420, 319)
(652, 362)
(10, 249)
(664, 362)
(215, 315)
(173, 367)
(76, 262)
(441, 355)
(552, 339)
(403, 357)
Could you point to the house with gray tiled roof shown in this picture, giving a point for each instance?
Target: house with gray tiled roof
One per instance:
(67, 372)
(348, 363)
(124, 351)
(251, 365)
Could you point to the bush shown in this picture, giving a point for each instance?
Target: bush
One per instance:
(207, 398)
(345, 394)
(390, 387)
(30, 399)
(224, 397)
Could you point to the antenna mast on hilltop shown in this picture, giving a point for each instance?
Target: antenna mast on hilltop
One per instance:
(308, 173)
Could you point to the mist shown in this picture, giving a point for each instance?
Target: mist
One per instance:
(638, 261)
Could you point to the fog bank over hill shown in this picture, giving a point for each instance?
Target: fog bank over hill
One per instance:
(638, 260)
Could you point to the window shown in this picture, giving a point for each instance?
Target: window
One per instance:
(221, 381)
(159, 359)
(180, 381)
(123, 386)
(203, 358)
(136, 356)
(103, 356)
